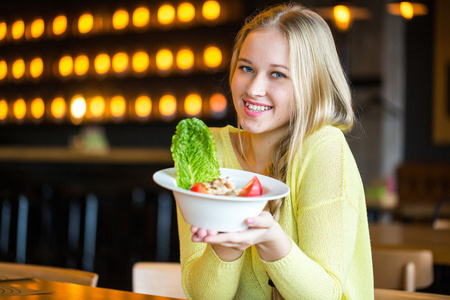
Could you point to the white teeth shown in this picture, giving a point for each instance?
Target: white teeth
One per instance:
(257, 108)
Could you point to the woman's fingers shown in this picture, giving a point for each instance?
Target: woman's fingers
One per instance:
(264, 220)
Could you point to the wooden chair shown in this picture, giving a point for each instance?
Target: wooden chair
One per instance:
(48, 273)
(156, 278)
(402, 269)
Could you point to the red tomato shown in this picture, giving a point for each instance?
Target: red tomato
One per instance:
(198, 188)
(253, 188)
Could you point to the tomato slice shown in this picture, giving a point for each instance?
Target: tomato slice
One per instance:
(198, 188)
(253, 188)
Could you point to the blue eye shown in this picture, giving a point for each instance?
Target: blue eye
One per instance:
(278, 75)
(246, 69)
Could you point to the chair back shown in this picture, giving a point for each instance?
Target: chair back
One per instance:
(48, 273)
(402, 269)
(157, 278)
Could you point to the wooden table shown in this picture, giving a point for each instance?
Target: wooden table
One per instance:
(385, 294)
(63, 291)
(412, 236)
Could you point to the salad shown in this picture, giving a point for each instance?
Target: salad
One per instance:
(194, 153)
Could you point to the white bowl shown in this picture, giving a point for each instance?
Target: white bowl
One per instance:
(221, 213)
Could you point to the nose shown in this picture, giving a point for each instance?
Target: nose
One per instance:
(256, 87)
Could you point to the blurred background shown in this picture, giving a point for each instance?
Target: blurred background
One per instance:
(91, 92)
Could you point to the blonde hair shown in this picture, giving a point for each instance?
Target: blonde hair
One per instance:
(320, 88)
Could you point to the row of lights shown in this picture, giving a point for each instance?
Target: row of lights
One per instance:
(119, 63)
(97, 108)
(122, 19)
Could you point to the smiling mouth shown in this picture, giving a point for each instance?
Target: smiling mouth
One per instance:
(257, 108)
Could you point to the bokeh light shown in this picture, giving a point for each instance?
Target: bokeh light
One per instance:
(218, 103)
(164, 59)
(78, 107)
(167, 105)
(185, 12)
(58, 108)
(166, 14)
(3, 30)
(37, 108)
(120, 19)
(212, 57)
(141, 17)
(85, 23)
(36, 67)
(140, 61)
(18, 68)
(65, 65)
(341, 15)
(18, 29)
(406, 10)
(97, 107)
(120, 62)
(59, 25)
(102, 63)
(37, 28)
(19, 109)
(143, 106)
(117, 106)
(185, 59)
(3, 69)
(211, 10)
(81, 65)
(193, 104)
(3, 109)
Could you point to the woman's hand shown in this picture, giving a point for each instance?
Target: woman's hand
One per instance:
(263, 232)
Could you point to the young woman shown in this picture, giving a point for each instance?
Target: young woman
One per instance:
(293, 105)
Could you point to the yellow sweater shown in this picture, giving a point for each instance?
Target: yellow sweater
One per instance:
(324, 215)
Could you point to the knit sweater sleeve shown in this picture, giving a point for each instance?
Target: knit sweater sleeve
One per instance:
(325, 191)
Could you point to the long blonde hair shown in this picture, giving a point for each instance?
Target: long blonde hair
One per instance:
(321, 91)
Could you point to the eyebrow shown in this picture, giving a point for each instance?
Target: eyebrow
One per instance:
(272, 65)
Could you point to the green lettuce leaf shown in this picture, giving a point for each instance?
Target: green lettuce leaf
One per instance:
(194, 152)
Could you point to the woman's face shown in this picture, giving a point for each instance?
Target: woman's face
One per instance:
(261, 85)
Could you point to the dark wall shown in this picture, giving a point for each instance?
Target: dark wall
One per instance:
(419, 93)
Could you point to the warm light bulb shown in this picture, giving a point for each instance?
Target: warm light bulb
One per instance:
(185, 59)
(97, 106)
(81, 65)
(18, 29)
(164, 59)
(407, 10)
(212, 57)
(117, 106)
(65, 65)
(18, 68)
(58, 108)
(120, 19)
(193, 104)
(143, 106)
(37, 108)
(19, 109)
(37, 28)
(78, 107)
(3, 69)
(102, 63)
(166, 14)
(218, 103)
(141, 17)
(59, 25)
(211, 10)
(85, 23)
(3, 109)
(3, 30)
(167, 105)
(36, 67)
(120, 62)
(186, 12)
(140, 62)
(342, 17)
